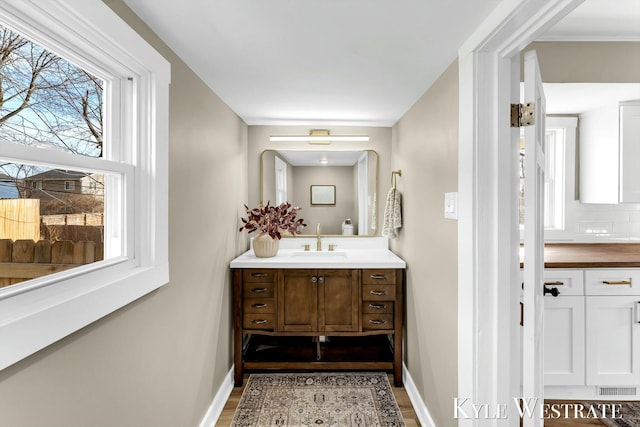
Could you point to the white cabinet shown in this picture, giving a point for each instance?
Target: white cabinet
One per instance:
(564, 361)
(599, 154)
(610, 153)
(592, 332)
(564, 334)
(629, 153)
(613, 340)
(613, 331)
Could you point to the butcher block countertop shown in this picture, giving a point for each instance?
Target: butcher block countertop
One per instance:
(591, 255)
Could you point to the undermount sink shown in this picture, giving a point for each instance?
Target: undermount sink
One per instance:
(320, 254)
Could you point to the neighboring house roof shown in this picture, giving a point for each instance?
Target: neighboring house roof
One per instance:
(57, 174)
(4, 177)
(8, 190)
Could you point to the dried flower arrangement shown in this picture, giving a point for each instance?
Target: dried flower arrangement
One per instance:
(273, 220)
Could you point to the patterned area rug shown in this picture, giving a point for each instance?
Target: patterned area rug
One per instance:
(318, 399)
(628, 413)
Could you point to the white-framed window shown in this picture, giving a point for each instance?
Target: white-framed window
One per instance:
(38, 312)
(69, 185)
(36, 185)
(560, 137)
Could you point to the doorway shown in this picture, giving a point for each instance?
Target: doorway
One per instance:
(488, 237)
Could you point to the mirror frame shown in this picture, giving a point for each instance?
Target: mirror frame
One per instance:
(375, 188)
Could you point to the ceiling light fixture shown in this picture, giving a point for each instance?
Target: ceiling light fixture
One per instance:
(319, 136)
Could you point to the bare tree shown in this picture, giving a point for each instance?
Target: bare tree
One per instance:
(45, 99)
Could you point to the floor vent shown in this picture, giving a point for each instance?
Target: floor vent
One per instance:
(617, 391)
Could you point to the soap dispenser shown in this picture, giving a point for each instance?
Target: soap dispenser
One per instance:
(347, 227)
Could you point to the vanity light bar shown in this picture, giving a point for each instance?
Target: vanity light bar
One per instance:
(308, 138)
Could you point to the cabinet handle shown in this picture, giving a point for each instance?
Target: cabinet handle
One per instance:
(321, 279)
(260, 305)
(377, 306)
(378, 293)
(258, 274)
(379, 276)
(314, 279)
(556, 283)
(259, 290)
(616, 282)
(377, 322)
(259, 322)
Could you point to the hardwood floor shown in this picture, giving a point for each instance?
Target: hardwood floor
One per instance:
(409, 415)
(561, 422)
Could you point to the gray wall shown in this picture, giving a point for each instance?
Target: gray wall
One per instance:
(160, 360)
(425, 147)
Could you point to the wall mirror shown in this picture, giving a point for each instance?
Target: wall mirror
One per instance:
(336, 189)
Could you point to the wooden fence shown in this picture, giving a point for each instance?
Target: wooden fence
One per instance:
(20, 219)
(73, 219)
(22, 260)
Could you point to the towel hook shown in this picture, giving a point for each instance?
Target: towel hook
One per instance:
(394, 175)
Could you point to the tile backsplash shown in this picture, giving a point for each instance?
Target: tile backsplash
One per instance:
(599, 222)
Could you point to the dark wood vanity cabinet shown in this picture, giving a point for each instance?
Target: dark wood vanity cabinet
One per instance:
(318, 319)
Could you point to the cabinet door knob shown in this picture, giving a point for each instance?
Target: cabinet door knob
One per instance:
(556, 283)
(377, 306)
(314, 279)
(553, 291)
(616, 282)
(258, 274)
(321, 279)
(260, 305)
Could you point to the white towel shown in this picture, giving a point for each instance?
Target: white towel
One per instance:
(392, 214)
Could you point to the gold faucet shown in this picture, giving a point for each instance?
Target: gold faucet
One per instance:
(318, 241)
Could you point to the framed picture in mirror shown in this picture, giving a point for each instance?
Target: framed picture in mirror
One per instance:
(323, 195)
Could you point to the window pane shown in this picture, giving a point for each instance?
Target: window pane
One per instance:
(46, 101)
(51, 226)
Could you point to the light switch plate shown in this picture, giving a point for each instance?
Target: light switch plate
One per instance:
(451, 205)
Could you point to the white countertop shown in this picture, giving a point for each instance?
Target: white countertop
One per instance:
(350, 252)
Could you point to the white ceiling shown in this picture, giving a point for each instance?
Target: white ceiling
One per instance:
(329, 62)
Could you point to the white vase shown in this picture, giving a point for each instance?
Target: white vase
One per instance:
(264, 246)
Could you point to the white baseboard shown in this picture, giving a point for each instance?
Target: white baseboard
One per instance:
(219, 400)
(414, 396)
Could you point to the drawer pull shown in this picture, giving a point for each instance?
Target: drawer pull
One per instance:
(259, 322)
(259, 290)
(258, 274)
(377, 322)
(260, 305)
(377, 306)
(556, 283)
(378, 293)
(616, 282)
(379, 276)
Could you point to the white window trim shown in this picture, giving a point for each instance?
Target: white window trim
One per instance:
(32, 315)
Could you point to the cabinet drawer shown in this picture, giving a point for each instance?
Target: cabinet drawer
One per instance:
(258, 290)
(382, 307)
(621, 281)
(258, 275)
(377, 321)
(378, 292)
(568, 282)
(258, 305)
(257, 321)
(382, 277)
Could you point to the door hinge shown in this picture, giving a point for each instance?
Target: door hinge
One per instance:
(522, 115)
